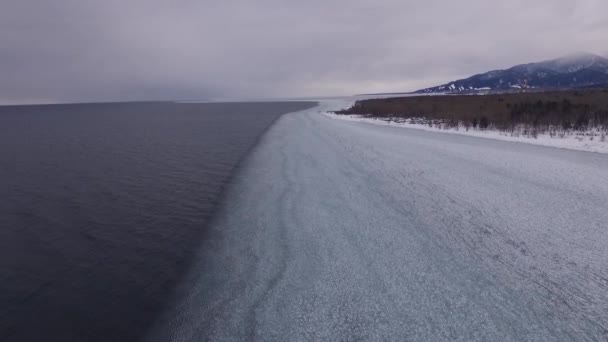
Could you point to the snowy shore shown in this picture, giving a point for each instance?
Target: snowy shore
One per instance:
(582, 141)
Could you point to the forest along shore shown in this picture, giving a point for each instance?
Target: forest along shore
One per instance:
(568, 119)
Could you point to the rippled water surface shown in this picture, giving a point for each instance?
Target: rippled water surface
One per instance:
(102, 206)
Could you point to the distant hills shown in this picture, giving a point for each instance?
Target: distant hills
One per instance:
(573, 71)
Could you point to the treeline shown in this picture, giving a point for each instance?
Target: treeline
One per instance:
(555, 113)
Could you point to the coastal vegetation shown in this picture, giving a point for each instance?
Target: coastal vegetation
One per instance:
(557, 113)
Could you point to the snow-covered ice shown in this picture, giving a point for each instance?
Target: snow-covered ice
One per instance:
(338, 230)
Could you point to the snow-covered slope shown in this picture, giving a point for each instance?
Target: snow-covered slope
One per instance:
(577, 70)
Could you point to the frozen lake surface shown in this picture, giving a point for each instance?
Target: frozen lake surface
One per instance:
(338, 230)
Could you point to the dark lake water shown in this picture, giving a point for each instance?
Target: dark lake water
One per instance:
(103, 205)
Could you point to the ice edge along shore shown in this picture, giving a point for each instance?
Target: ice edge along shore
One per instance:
(571, 142)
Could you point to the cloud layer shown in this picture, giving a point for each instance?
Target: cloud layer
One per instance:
(74, 50)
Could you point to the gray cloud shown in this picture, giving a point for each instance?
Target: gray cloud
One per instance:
(74, 50)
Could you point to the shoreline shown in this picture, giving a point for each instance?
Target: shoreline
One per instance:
(568, 142)
(571, 119)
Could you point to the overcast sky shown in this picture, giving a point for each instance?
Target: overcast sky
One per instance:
(99, 50)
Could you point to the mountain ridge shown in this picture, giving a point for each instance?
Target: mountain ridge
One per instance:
(570, 71)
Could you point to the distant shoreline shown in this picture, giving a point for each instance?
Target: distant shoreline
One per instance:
(152, 102)
(567, 119)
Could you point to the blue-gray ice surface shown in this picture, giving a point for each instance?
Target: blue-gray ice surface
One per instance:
(344, 231)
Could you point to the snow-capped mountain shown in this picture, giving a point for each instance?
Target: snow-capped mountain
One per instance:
(578, 70)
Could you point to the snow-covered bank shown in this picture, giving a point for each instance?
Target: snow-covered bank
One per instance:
(580, 142)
